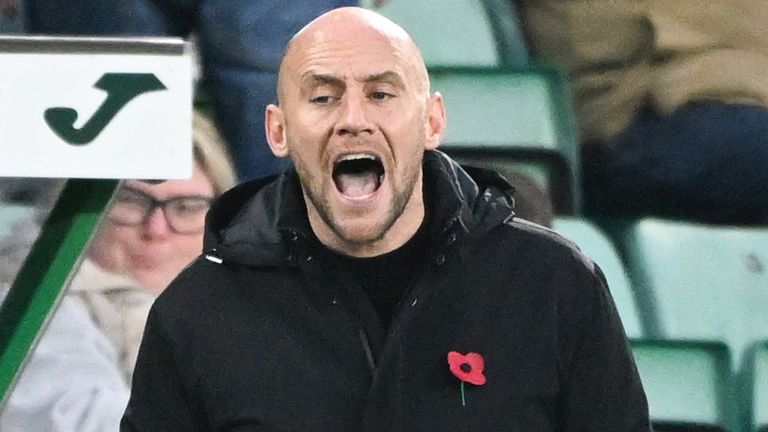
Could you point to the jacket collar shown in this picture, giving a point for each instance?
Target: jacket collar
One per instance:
(253, 223)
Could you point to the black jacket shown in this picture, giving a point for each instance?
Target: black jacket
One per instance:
(259, 334)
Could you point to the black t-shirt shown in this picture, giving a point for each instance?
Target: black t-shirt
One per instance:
(387, 278)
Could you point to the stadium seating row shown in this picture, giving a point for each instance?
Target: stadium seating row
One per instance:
(693, 299)
(527, 123)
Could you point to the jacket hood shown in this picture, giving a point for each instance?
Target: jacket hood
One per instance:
(252, 223)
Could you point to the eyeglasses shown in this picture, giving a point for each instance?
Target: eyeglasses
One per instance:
(185, 214)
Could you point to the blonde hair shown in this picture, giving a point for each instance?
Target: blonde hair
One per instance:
(211, 154)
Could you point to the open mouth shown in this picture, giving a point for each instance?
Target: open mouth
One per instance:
(358, 175)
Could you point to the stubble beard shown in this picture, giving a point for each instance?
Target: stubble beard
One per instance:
(358, 238)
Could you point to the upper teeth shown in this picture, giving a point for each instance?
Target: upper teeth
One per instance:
(357, 156)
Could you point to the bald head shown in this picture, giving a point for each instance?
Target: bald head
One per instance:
(355, 117)
(348, 27)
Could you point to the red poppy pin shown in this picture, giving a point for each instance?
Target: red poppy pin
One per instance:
(467, 368)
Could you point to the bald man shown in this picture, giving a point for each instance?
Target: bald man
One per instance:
(377, 285)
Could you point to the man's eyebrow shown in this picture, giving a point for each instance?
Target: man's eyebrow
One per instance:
(389, 77)
(314, 79)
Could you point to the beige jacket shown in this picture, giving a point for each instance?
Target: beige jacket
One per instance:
(621, 54)
(118, 306)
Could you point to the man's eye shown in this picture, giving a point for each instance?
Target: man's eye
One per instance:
(321, 100)
(380, 95)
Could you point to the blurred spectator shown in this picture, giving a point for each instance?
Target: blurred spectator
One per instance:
(77, 377)
(28, 191)
(24, 204)
(73, 17)
(150, 234)
(71, 382)
(672, 102)
(16, 240)
(149, 245)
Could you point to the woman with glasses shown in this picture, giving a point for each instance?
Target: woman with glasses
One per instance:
(150, 234)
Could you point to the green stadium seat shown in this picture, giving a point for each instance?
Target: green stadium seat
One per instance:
(460, 32)
(755, 385)
(596, 244)
(508, 118)
(760, 401)
(510, 39)
(687, 384)
(700, 281)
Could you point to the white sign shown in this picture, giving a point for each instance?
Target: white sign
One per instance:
(95, 108)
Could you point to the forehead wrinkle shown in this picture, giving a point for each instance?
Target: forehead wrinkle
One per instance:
(404, 71)
(312, 79)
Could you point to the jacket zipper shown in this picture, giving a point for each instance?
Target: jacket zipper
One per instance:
(414, 288)
(365, 341)
(368, 351)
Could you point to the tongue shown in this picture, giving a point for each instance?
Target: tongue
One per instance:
(357, 184)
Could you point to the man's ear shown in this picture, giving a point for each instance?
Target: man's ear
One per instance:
(435, 121)
(274, 124)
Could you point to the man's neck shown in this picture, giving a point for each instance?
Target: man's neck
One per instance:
(402, 230)
(395, 237)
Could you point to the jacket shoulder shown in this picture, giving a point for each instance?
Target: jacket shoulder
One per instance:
(199, 286)
(548, 242)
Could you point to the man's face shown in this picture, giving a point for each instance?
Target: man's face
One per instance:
(355, 117)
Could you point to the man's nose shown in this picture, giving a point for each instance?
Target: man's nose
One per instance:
(156, 224)
(353, 119)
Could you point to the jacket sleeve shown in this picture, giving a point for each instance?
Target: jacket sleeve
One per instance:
(159, 399)
(601, 386)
